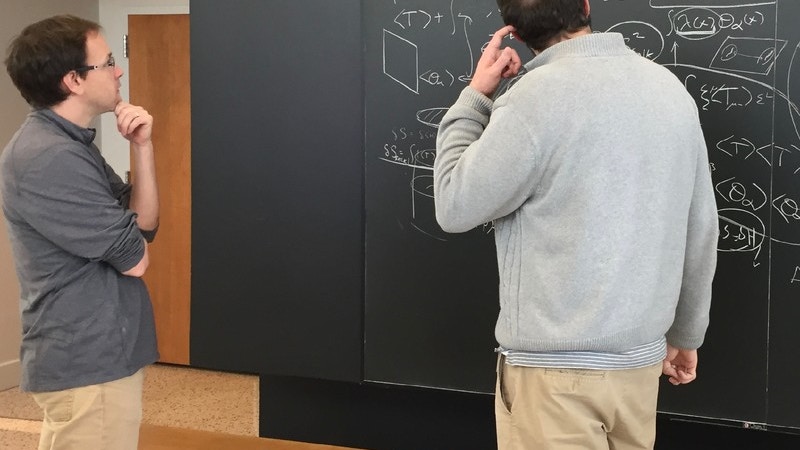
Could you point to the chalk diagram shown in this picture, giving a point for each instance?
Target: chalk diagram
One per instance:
(412, 63)
(734, 73)
(742, 70)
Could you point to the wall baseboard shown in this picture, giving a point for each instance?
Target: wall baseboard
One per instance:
(9, 374)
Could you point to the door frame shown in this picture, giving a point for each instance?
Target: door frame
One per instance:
(114, 20)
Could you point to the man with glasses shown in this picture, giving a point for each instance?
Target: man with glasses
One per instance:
(79, 236)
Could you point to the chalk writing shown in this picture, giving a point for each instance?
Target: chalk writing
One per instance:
(796, 276)
(732, 191)
(724, 51)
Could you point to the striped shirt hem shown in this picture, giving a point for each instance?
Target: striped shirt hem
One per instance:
(644, 355)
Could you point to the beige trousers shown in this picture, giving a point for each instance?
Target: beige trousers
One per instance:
(99, 417)
(565, 409)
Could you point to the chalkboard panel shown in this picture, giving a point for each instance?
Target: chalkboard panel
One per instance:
(784, 294)
(278, 212)
(431, 298)
(708, 49)
(277, 170)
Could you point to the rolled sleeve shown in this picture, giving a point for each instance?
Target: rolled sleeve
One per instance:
(67, 198)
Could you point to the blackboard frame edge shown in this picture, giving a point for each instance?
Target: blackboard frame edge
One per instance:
(729, 423)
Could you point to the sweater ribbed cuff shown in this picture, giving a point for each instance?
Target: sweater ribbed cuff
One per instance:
(471, 98)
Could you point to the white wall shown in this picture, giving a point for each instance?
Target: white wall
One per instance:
(114, 19)
(15, 15)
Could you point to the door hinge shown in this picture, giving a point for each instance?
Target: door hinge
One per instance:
(124, 45)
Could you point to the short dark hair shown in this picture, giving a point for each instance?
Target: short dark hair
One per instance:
(539, 21)
(43, 53)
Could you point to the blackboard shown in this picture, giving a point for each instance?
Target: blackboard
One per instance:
(277, 169)
(431, 297)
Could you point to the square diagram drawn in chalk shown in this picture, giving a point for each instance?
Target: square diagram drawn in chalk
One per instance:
(748, 55)
(401, 60)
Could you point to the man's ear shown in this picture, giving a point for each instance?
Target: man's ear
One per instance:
(586, 6)
(516, 36)
(72, 82)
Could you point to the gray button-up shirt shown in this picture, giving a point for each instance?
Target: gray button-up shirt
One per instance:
(72, 235)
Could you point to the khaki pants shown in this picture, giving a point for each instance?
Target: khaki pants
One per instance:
(564, 409)
(98, 417)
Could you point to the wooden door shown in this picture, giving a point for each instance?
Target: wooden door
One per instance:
(158, 48)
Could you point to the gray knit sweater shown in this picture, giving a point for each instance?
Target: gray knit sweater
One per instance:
(594, 169)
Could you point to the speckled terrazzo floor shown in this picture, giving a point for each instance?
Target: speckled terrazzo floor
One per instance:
(18, 434)
(174, 396)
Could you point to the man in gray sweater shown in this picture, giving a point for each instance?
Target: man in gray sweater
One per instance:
(594, 169)
(79, 237)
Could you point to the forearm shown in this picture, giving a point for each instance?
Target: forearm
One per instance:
(144, 193)
(692, 314)
(693, 310)
(141, 267)
(461, 127)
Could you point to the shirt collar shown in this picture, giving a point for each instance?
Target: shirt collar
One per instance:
(594, 44)
(83, 135)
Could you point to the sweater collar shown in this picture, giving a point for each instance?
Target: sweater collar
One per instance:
(83, 135)
(595, 44)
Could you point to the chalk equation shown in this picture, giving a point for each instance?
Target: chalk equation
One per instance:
(709, 3)
(401, 55)
(426, 55)
(730, 60)
(729, 54)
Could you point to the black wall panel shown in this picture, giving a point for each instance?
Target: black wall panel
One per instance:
(315, 250)
(277, 187)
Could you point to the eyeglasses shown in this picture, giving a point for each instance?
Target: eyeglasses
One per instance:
(109, 63)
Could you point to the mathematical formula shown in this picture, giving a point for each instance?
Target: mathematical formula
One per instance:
(724, 51)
